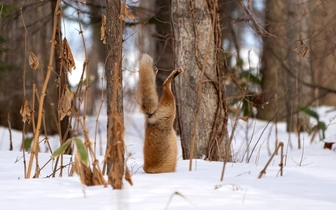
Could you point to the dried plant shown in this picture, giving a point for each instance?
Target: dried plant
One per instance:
(263, 171)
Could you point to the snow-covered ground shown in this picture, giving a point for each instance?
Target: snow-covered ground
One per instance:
(308, 181)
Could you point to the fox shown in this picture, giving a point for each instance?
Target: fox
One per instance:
(160, 141)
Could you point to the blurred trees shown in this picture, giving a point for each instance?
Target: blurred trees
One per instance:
(297, 63)
(322, 50)
(285, 63)
(24, 31)
(295, 39)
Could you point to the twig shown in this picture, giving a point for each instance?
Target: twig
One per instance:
(263, 171)
(259, 28)
(97, 118)
(25, 57)
(85, 68)
(24, 89)
(10, 134)
(261, 136)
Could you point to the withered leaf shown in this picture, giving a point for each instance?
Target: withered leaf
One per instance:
(103, 29)
(33, 61)
(244, 118)
(328, 145)
(67, 58)
(25, 111)
(125, 13)
(65, 104)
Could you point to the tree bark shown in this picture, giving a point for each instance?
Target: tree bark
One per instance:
(114, 30)
(196, 47)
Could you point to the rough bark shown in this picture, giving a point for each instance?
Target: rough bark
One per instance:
(196, 50)
(115, 157)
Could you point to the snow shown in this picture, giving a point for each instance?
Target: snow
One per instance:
(308, 182)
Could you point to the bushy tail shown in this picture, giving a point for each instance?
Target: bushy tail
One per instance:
(146, 89)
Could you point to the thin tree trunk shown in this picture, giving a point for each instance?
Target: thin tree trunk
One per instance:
(115, 157)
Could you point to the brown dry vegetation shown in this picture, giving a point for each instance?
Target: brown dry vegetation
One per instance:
(297, 70)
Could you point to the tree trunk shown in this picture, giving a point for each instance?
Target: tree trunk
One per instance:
(196, 50)
(273, 75)
(163, 43)
(115, 157)
(298, 94)
(285, 66)
(97, 54)
(323, 30)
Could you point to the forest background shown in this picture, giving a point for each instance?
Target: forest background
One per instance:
(270, 60)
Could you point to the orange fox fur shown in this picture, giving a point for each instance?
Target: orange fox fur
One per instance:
(160, 146)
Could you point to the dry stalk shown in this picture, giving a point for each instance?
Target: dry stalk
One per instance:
(97, 120)
(59, 68)
(43, 93)
(25, 57)
(85, 69)
(263, 171)
(276, 107)
(298, 120)
(10, 134)
(237, 117)
(33, 105)
(262, 133)
(217, 136)
(24, 89)
(249, 143)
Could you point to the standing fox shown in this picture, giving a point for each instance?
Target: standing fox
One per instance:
(160, 145)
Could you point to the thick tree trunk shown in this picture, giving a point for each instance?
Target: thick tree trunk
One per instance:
(196, 51)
